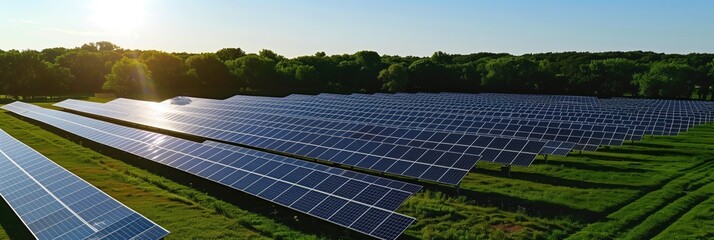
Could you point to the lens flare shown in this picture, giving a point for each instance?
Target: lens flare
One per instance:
(118, 16)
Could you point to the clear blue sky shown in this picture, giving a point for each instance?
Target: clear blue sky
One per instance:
(403, 27)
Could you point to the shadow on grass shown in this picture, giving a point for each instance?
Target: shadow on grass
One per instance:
(597, 167)
(652, 152)
(555, 181)
(661, 226)
(650, 145)
(616, 158)
(534, 208)
(12, 224)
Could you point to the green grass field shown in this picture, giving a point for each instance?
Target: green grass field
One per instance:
(660, 188)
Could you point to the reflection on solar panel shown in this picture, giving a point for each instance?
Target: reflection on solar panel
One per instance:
(357, 201)
(483, 104)
(428, 155)
(320, 117)
(55, 204)
(454, 124)
(432, 137)
(585, 136)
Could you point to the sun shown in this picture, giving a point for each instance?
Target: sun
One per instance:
(118, 16)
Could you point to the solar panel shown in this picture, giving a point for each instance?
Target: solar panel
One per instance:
(55, 204)
(668, 117)
(357, 201)
(481, 109)
(418, 155)
(584, 135)
(502, 108)
(340, 113)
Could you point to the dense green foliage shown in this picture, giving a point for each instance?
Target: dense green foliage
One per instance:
(232, 71)
(668, 80)
(128, 77)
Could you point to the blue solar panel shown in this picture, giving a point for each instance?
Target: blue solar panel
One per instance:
(319, 144)
(417, 106)
(303, 186)
(355, 113)
(622, 119)
(55, 204)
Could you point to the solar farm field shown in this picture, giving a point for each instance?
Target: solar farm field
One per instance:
(567, 168)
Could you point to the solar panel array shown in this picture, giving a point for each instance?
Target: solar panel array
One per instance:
(361, 202)
(55, 204)
(423, 154)
(433, 137)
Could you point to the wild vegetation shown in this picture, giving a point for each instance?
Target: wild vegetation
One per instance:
(149, 74)
(658, 188)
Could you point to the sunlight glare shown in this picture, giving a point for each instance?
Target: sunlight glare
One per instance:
(118, 16)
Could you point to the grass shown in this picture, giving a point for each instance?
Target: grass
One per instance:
(593, 195)
(658, 188)
(695, 224)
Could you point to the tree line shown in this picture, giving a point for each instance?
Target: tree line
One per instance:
(105, 67)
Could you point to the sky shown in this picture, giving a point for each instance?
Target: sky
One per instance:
(393, 27)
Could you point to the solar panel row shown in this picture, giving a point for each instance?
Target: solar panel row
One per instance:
(654, 122)
(555, 143)
(428, 155)
(357, 201)
(468, 107)
(427, 136)
(55, 204)
(589, 135)
(507, 111)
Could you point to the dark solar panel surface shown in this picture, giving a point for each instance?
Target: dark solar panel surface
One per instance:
(428, 155)
(55, 204)
(357, 201)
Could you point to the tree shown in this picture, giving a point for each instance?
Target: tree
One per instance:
(666, 79)
(270, 55)
(441, 57)
(88, 68)
(370, 63)
(26, 74)
(90, 47)
(167, 70)
(19, 75)
(209, 70)
(394, 78)
(227, 54)
(103, 46)
(550, 81)
(347, 73)
(511, 74)
(709, 69)
(470, 76)
(701, 79)
(255, 71)
(611, 77)
(286, 70)
(129, 77)
(51, 54)
(308, 75)
(325, 67)
(54, 80)
(424, 73)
